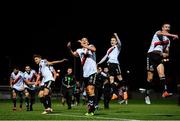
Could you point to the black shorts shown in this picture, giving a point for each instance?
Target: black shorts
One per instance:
(90, 80)
(31, 92)
(114, 69)
(46, 85)
(20, 93)
(153, 60)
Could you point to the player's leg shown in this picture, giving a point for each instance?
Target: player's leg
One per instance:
(91, 99)
(124, 88)
(32, 99)
(42, 99)
(50, 95)
(107, 94)
(148, 86)
(90, 90)
(47, 99)
(78, 98)
(20, 93)
(26, 92)
(47, 95)
(113, 73)
(113, 88)
(14, 96)
(160, 69)
(151, 64)
(69, 98)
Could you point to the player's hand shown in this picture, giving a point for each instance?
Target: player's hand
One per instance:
(175, 37)
(65, 59)
(165, 55)
(69, 45)
(68, 86)
(36, 83)
(115, 34)
(79, 41)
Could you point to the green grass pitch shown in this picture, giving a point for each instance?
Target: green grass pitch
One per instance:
(162, 109)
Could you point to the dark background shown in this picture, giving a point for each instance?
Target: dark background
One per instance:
(45, 28)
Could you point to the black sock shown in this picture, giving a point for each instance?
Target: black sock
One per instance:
(27, 101)
(32, 100)
(114, 89)
(91, 102)
(164, 81)
(48, 101)
(14, 102)
(148, 86)
(21, 102)
(43, 101)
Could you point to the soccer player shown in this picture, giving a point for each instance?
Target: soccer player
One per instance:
(158, 50)
(113, 65)
(54, 73)
(100, 79)
(77, 93)
(30, 76)
(45, 83)
(106, 89)
(88, 62)
(68, 83)
(17, 86)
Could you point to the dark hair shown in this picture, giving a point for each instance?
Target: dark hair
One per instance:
(16, 67)
(70, 68)
(35, 55)
(165, 23)
(113, 36)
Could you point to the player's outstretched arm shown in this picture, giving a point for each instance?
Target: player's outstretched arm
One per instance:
(56, 62)
(73, 53)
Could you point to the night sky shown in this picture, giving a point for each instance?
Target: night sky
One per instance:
(45, 29)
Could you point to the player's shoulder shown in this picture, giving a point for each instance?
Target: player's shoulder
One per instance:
(21, 74)
(91, 45)
(43, 61)
(33, 71)
(157, 32)
(25, 73)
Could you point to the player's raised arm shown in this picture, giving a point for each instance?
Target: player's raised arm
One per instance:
(73, 53)
(56, 62)
(118, 40)
(85, 45)
(174, 36)
(103, 59)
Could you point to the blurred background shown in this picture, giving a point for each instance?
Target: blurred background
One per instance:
(45, 28)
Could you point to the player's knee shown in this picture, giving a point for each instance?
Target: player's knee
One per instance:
(14, 95)
(46, 91)
(40, 94)
(162, 77)
(90, 90)
(26, 94)
(119, 77)
(111, 79)
(149, 77)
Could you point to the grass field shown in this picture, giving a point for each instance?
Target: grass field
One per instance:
(164, 109)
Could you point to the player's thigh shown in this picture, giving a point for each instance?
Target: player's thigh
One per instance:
(26, 92)
(160, 70)
(46, 91)
(41, 93)
(150, 75)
